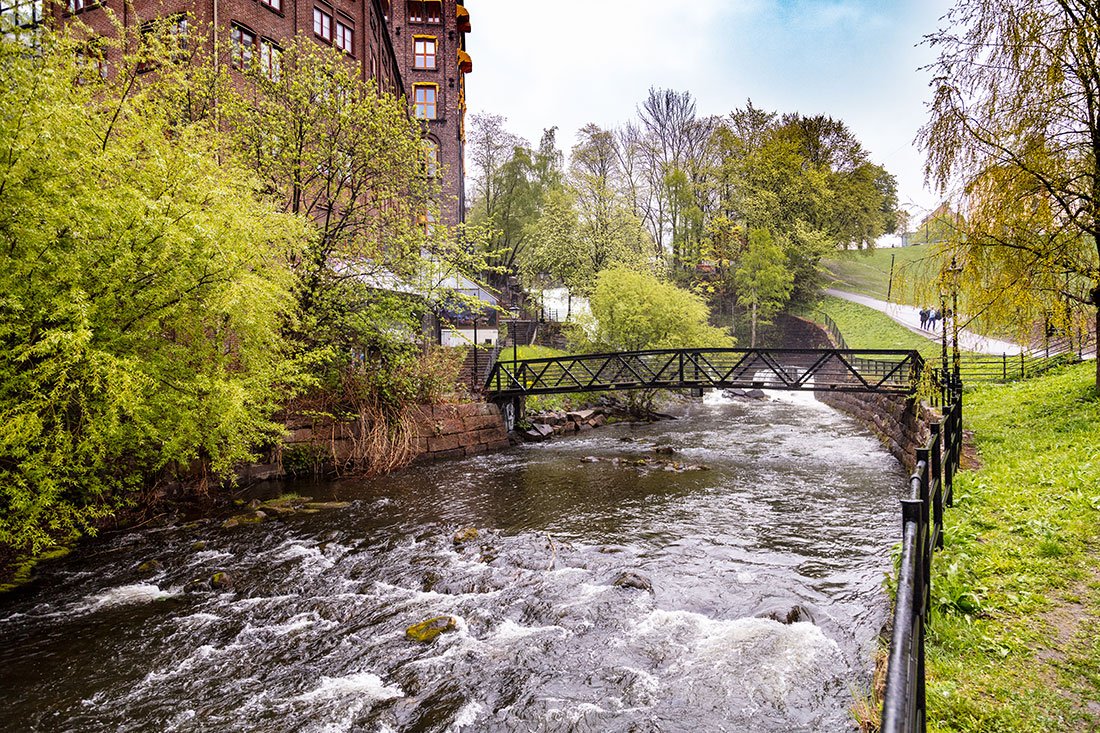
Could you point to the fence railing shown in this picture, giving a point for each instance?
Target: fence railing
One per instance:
(930, 489)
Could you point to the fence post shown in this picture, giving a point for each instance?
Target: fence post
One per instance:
(935, 479)
(1004, 366)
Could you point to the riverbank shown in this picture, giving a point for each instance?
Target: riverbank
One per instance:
(1012, 643)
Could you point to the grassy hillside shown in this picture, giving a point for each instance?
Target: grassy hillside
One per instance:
(866, 328)
(868, 273)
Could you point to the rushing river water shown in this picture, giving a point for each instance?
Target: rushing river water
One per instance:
(799, 508)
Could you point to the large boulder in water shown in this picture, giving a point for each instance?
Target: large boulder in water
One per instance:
(465, 535)
(792, 615)
(632, 579)
(426, 631)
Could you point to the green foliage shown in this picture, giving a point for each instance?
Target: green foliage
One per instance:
(634, 310)
(347, 156)
(141, 294)
(763, 279)
(1013, 124)
(1018, 562)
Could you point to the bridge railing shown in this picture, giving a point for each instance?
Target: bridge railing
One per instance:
(850, 370)
(930, 490)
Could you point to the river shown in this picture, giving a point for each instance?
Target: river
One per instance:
(799, 509)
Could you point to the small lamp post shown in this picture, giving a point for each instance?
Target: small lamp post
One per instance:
(949, 280)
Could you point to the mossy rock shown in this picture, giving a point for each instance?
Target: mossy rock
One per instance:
(221, 581)
(327, 504)
(54, 553)
(427, 631)
(198, 546)
(465, 535)
(287, 501)
(149, 566)
(254, 518)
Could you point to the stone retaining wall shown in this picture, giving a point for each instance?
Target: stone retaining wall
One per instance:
(442, 431)
(454, 431)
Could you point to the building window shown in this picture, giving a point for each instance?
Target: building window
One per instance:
(271, 60)
(424, 101)
(416, 11)
(433, 11)
(427, 219)
(322, 24)
(75, 6)
(21, 13)
(273, 4)
(243, 44)
(344, 37)
(424, 52)
(430, 162)
(93, 61)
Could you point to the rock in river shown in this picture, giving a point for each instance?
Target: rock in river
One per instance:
(426, 631)
(631, 579)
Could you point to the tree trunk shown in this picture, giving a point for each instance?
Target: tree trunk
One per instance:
(1096, 345)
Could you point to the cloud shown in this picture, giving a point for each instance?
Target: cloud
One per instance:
(576, 62)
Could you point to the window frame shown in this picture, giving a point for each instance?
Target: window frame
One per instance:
(319, 13)
(430, 164)
(270, 59)
(14, 11)
(417, 103)
(428, 7)
(242, 55)
(276, 5)
(419, 16)
(434, 56)
(349, 30)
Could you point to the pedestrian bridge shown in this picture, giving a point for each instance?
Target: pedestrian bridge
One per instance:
(882, 371)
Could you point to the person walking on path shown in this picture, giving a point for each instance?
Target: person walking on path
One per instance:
(933, 318)
(924, 317)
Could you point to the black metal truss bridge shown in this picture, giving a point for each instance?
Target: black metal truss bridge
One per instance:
(885, 371)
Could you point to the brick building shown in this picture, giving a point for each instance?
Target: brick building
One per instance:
(429, 39)
(259, 28)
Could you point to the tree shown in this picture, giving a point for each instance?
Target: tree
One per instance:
(348, 158)
(143, 288)
(634, 310)
(1015, 121)
(763, 280)
(511, 183)
(608, 232)
(555, 249)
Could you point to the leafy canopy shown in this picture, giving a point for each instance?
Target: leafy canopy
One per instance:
(142, 289)
(634, 310)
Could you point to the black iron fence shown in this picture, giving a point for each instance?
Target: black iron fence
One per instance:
(930, 489)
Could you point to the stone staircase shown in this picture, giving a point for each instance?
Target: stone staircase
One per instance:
(485, 358)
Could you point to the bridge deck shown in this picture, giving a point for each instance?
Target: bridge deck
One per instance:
(844, 370)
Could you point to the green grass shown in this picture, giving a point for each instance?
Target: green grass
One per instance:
(531, 352)
(867, 328)
(1013, 642)
(549, 402)
(868, 273)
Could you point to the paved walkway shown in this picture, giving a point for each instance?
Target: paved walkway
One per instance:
(909, 316)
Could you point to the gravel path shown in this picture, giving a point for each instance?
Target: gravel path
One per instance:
(909, 316)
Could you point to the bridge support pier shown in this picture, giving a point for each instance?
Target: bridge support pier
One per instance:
(513, 408)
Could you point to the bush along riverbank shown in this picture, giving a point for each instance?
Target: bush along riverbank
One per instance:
(1014, 636)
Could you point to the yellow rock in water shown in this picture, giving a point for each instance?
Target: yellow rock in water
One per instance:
(427, 630)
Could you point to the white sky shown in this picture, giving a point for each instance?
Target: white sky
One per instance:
(569, 62)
